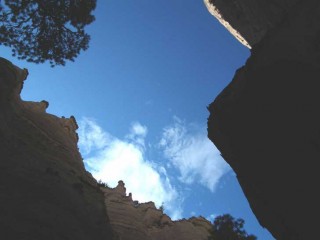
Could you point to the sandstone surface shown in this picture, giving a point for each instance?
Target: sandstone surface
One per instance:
(45, 192)
(266, 121)
(143, 221)
(250, 20)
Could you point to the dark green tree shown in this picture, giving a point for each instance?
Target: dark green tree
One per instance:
(225, 227)
(46, 30)
(102, 184)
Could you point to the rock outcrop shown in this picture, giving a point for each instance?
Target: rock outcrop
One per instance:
(250, 20)
(45, 191)
(143, 221)
(266, 121)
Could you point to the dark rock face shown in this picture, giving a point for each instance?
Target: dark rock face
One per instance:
(250, 20)
(45, 192)
(266, 125)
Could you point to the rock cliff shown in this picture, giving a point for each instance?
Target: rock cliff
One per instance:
(45, 192)
(266, 121)
(143, 221)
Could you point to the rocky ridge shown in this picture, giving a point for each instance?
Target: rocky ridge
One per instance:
(132, 220)
(45, 192)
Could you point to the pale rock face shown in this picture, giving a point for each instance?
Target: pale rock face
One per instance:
(46, 193)
(132, 220)
(249, 20)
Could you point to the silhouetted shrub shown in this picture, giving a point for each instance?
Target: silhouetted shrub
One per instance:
(161, 208)
(225, 227)
(102, 184)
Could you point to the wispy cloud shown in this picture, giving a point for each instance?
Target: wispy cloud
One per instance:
(111, 159)
(186, 150)
(211, 217)
(137, 134)
(91, 136)
(192, 153)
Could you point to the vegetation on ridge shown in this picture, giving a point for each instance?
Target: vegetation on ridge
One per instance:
(225, 227)
(102, 184)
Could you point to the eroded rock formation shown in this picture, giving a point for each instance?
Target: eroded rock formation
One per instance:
(45, 192)
(143, 221)
(266, 121)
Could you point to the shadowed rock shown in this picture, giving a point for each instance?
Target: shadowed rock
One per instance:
(250, 20)
(266, 123)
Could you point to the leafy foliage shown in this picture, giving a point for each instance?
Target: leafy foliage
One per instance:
(225, 227)
(102, 184)
(41, 30)
(161, 208)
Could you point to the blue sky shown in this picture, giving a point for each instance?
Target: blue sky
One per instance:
(139, 94)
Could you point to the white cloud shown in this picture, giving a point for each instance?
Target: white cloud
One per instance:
(91, 136)
(138, 129)
(189, 152)
(115, 159)
(193, 154)
(211, 217)
(137, 134)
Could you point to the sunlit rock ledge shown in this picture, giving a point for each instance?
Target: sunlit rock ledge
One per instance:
(143, 221)
(249, 21)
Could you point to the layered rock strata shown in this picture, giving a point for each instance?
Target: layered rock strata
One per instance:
(266, 121)
(143, 221)
(45, 192)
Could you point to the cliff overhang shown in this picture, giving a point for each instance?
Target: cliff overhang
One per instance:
(266, 121)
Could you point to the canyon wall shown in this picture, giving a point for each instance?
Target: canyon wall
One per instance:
(266, 121)
(45, 192)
